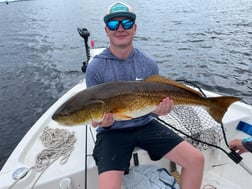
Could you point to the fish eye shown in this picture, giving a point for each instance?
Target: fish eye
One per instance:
(64, 114)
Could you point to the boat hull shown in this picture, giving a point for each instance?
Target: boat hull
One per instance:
(220, 171)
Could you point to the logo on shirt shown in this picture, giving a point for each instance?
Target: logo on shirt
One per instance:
(139, 78)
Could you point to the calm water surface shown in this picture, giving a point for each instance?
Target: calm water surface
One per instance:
(207, 42)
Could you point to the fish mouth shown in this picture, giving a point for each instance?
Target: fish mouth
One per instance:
(56, 116)
(62, 119)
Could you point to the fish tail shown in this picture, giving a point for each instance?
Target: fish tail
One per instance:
(219, 105)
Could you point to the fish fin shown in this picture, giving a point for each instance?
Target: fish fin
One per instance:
(164, 80)
(119, 116)
(219, 106)
(94, 107)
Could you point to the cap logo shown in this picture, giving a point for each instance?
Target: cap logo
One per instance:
(119, 8)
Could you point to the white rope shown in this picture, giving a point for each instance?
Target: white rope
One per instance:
(58, 143)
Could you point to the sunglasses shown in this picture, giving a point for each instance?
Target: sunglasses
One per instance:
(114, 24)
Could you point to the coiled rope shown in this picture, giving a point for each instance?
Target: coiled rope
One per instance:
(58, 143)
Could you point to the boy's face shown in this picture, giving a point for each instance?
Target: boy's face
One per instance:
(121, 37)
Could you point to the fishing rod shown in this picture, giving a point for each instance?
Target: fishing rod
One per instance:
(84, 33)
(86, 157)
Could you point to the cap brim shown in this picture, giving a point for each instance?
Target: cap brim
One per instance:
(119, 14)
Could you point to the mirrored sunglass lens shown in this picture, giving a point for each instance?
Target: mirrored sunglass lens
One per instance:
(113, 25)
(127, 24)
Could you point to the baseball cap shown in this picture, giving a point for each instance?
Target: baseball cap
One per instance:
(119, 9)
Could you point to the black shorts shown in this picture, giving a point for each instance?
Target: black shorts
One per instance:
(114, 148)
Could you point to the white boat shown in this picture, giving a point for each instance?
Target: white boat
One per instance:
(78, 170)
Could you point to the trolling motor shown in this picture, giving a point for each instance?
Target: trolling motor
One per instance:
(84, 33)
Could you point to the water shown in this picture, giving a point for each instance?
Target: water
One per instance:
(207, 42)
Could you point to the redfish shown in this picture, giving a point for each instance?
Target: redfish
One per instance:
(130, 99)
